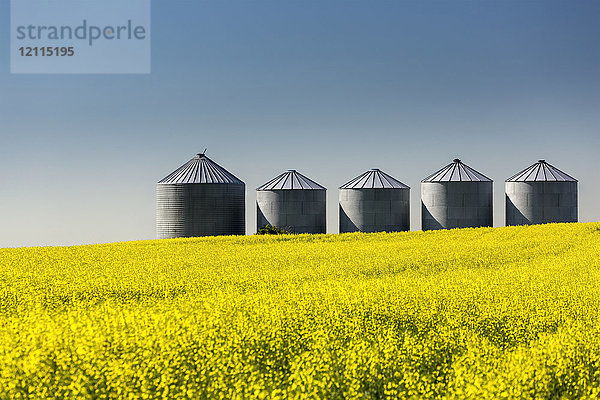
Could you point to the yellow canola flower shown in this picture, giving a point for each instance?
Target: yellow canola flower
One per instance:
(485, 313)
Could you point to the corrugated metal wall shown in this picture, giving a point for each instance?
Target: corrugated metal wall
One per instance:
(530, 203)
(447, 205)
(188, 210)
(300, 211)
(374, 210)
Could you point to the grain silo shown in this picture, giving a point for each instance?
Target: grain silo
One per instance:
(374, 202)
(456, 196)
(200, 198)
(541, 194)
(293, 202)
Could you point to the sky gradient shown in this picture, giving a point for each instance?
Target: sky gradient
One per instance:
(330, 88)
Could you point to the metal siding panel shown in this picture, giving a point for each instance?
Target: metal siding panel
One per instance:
(374, 210)
(200, 210)
(301, 211)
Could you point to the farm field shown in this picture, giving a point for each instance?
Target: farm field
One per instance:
(485, 313)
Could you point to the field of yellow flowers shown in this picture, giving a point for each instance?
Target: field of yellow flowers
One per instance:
(474, 313)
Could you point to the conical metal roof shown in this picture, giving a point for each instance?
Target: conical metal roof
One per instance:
(374, 179)
(291, 180)
(457, 171)
(201, 169)
(541, 171)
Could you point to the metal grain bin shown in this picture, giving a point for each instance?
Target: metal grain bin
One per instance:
(541, 194)
(456, 196)
(374, 202)
(200, 198)
(293, 202)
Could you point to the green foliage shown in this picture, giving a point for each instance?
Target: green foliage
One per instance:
(491, 313)
(272, 230)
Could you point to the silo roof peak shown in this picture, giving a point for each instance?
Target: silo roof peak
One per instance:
(291, 180)
(457, 171)
(541, 171)
(374, 179)
(203, 154)
(201, 169)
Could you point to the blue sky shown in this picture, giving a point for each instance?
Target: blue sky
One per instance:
(330, 88)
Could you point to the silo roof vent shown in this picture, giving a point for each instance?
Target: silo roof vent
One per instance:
(457, 171)
(541, 171)
(291, 180)
(201, 169)
(374, 179)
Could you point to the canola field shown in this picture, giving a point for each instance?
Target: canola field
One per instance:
(492, 313)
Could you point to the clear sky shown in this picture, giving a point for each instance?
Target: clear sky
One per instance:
(330, 88)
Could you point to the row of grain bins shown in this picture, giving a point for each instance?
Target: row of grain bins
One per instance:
(201, 198)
